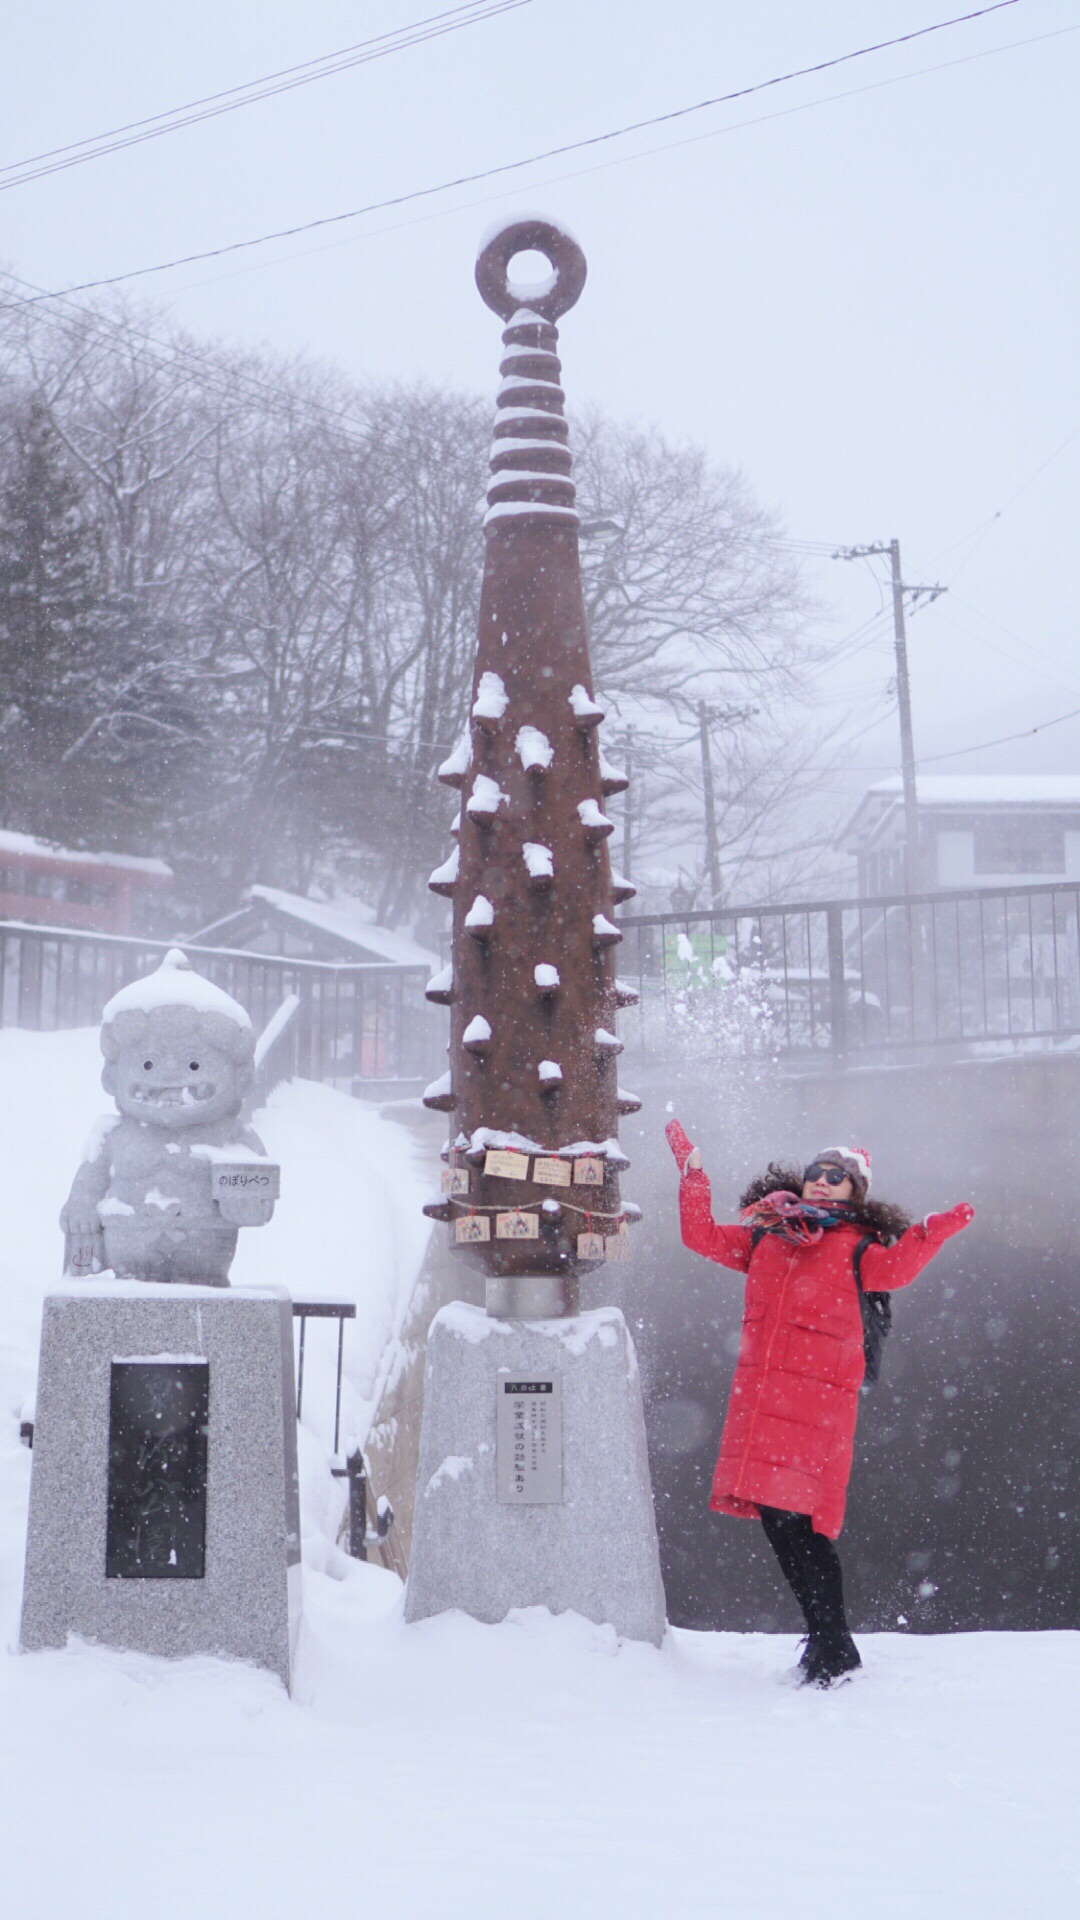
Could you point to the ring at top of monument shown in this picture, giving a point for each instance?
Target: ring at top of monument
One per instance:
(530, 232)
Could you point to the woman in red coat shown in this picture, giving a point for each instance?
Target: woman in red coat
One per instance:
(785, 1453)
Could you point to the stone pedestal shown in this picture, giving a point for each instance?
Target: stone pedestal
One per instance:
(574, 1526)
(164, 1504)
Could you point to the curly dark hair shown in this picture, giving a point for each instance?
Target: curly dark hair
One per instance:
(877, 1217)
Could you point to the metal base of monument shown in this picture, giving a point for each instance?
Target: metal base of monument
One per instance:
(533, 1487)
(164, 1502)
(531, 1296)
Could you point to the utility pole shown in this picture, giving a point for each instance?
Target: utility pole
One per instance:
(712, 849)
(627, 819)
(912, 859)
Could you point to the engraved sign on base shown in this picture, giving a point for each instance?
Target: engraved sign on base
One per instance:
(528, 1433)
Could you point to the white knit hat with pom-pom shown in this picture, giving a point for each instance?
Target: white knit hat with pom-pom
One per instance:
(856, 1164)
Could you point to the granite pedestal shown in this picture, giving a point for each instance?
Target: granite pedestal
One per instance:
(164, 1502)
(564, 1519)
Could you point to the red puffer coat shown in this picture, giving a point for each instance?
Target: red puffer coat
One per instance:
(790, 1426)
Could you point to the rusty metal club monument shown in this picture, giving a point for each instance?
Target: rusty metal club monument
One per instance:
(533, 1483)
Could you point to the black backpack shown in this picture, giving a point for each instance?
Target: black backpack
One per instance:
(875, 1308)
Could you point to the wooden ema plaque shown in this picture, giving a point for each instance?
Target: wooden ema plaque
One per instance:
(503, 1165)
(517, 1226)
(548, 1172)
(471, 1228)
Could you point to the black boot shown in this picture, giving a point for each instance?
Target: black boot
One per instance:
(811, 1566)
(832, 1659)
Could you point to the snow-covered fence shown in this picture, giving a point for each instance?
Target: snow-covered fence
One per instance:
(844, 979)
(363, 1028)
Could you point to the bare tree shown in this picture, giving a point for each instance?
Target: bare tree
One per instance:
(302, 558)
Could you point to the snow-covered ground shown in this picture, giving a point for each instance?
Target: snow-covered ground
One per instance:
(468, 1772)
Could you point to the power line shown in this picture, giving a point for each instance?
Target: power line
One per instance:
(550, 153)
(216, 379)
(986, 526)
(211, 106)
(1025, 733)
(1028, 666)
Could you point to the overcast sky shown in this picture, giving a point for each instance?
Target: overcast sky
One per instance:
(867, 303)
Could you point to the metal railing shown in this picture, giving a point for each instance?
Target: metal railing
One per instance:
(835, 980)
(843, 979)
(364, 1028)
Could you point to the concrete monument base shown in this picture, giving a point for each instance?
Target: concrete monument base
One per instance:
(533, 1487)
(164, 1504)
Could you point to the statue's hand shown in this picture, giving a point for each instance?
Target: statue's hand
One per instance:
(245, 1210)
(84, 1240)
(84, 1252)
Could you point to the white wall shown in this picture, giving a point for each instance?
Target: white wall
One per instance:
(955, 858)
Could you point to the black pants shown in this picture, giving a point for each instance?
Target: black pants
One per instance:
(811, 1566)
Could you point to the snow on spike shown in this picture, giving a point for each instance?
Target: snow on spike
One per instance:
(456, 765)
(480, 918)
(485, 800)
(535, 750)
(491, 701)
(440, 988)
(439, 1095)
(540, 865)
(477, 1035)
(444, 878)
(612, 779)
(596, 824)
(585, 710)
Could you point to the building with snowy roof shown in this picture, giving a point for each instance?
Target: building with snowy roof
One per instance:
(274, 922)
(975, 830)
(46, 885)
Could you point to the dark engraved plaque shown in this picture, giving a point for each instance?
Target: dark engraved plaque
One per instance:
(158, 1415)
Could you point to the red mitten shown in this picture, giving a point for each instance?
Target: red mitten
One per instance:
(942, 1226)
(680, 1143)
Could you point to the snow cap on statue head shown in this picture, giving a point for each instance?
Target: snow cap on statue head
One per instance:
(856, 1164)
(178, 1050)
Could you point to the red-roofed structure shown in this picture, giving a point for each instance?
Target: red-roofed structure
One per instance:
(61, 887)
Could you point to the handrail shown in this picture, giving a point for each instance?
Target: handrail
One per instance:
(849, 904)
(246, 954)
(277, 1024)
(962, 967)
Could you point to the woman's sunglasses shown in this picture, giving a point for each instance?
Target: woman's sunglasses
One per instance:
(834, 1176)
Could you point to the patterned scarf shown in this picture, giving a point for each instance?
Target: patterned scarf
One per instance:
(793, 1219)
